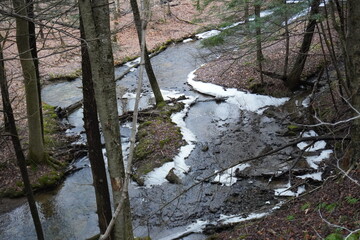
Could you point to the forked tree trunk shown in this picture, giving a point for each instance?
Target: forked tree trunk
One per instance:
(294, 78)
(36, 144)
(93, 137)
(148, 67)
(95, 16)
(21, 161)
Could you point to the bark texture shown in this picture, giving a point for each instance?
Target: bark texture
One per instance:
(294, 78)
(33, 47)
(148, 67)
(95, 16)
(353, 62)
(36, 145)
(91, 125)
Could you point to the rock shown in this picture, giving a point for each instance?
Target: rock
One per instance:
(172, 177)
(204, 147)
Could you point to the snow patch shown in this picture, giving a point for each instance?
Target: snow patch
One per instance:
(287, 192)
(316, 146)
(188, 40)
(196, 227)
(227, 219)
(245, 101)
(208, 34)
(133, 63)
(306, 102)
(313, 161)
(316, 176)
(232, 25)
(157, 176)
(228, 178)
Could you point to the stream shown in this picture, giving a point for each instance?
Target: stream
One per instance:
(218, 134)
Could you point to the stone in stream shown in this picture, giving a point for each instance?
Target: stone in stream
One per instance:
(172, 177)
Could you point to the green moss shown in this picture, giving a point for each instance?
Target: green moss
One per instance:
(19, 184)
(143, 149)
(158, 140)
(294, 128)
(49, 180)
(11, 193)
(67, 76)
(164, 141)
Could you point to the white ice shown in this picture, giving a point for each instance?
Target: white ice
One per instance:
(208, 34)
(245, 101)
(228, 178)
(316, 176)
(196, 227)
(318, 145)
(232, 25)
(188, 40)
(306, 102)
(314, 160)
(286, 192)
(157, 176)
(227, 219)
(133, 62)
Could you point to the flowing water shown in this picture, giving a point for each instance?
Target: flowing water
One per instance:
(224, 134)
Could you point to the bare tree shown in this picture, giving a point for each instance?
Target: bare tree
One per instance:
(294, 78)
(93, 137)
(95, 17)
(36, 144)
(149, 70)
(21, 161)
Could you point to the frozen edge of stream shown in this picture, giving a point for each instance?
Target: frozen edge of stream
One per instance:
(157, 176)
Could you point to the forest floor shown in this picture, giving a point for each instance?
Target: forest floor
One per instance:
(336, 201)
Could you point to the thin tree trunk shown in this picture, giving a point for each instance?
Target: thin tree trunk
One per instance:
(353, 62)
(36, 144)
(294, 78)
(21, 161)
(93, 137)
(259, 54)
(246, 13)
(287, 40)
(95, 16)
(149, 70)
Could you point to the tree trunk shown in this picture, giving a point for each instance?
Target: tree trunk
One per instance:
(294, 78)
(95, 16)
(353, 62)
(246, 15)
(287, 40)
(21, 161)
(91, 125)
(149, 70)
(259, 54)
(36, 144)
(33, 47)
